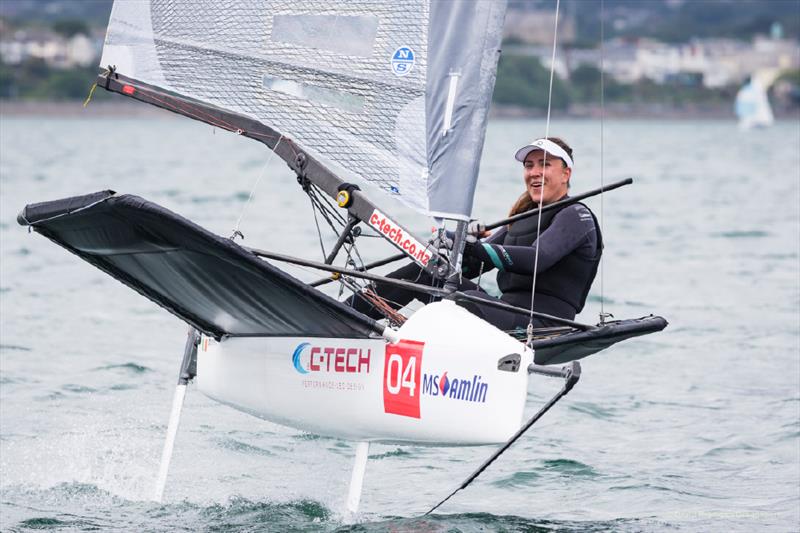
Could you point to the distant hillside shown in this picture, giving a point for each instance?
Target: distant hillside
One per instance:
(668, 20)
(522, 81)
(33, 12)
(674, 20)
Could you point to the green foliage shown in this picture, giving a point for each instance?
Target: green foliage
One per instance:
(523, 81)
(71, 27)
(34, 80)
(792, 76)
(73, 84)
(586, 83)
(677, 94)
(6, 81)
(45, 12)
(673, 21)
(512, 40)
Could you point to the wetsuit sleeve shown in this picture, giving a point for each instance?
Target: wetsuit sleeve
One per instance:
(572, 229)
(497, 237)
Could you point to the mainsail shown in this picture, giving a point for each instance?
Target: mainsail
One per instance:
(752, 106)
(394, 93)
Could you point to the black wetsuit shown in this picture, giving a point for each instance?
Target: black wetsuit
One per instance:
(570, 246)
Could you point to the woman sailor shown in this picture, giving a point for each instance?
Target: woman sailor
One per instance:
(568, 241)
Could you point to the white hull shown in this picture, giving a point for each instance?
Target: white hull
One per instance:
(439, 385)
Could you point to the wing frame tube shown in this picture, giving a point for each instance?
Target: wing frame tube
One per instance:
(426, 289)
(209, 282)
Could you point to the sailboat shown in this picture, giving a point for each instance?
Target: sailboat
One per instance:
(394, 94)
(752, 106)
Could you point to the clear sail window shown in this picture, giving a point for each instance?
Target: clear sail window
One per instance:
(349, 35)
(345, 101)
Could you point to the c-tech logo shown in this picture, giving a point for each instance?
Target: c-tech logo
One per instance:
(405, 242)
(332, 359)
(454, 388)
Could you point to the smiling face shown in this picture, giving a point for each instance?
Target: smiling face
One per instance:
(546, 179)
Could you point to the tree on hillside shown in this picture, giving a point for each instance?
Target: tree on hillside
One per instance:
(70, 27)
(585, 84)
(523, 81)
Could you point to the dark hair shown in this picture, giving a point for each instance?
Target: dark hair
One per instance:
(524, 202)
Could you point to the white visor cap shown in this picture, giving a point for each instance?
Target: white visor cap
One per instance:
(548, 146)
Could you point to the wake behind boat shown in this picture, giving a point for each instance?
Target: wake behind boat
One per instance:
(396, 95)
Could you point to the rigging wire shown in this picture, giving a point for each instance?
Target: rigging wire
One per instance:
(541, 188)
(602, 153)
(352, 248)
(253, 190)
(350, 261)
(316, 222)
(328, 213)
(323, 205)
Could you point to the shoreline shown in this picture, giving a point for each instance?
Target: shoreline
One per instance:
(75, 109)
(637, 111)
(131, 109)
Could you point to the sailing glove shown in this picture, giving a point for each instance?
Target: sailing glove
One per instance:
(490, 255)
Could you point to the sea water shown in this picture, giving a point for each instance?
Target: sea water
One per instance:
(696, 428)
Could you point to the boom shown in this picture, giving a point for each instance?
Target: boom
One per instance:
(301, 162)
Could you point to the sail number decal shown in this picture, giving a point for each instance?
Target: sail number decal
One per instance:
(392, 231)
(402, 369)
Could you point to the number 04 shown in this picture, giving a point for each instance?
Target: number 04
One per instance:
(398, 377)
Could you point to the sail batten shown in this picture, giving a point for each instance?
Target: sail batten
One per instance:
(365, 85)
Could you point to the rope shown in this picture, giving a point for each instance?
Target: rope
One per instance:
(91, 93)
(325, 208)
(382, 305)
(253, 190)
(323, 205)
(107, 72)
(541, 189)
(195, 112)
(379, 302)
(333, 217)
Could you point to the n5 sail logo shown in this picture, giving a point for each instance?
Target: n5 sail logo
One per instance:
(403, 60)
(457, 389)
(331, 359)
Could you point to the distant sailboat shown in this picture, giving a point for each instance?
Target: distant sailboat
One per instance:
(752, 106)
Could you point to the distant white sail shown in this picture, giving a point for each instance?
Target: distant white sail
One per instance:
(752, 106)
(395, 93)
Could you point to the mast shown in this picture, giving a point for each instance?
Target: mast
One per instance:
(396, 93)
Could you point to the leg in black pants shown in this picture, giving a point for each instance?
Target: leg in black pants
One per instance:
(399, 297)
